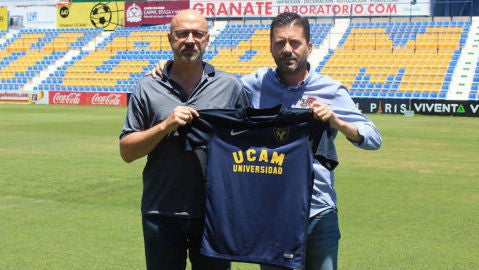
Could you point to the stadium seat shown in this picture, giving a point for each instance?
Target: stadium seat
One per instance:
(374, 58)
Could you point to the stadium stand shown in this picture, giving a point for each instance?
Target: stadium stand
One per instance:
(423, 57)
(397, 59)
(474, 95)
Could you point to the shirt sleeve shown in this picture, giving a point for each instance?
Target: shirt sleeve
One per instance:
(242, 99)
(135, 114)
(346, 110)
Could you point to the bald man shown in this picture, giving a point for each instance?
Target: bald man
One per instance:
(173, 200)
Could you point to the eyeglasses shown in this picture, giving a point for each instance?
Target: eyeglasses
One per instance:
(184, 34)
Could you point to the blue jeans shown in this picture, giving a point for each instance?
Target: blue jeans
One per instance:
(322, 242)
(168, 240)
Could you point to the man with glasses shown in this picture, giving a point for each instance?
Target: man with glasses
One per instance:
(173, 201)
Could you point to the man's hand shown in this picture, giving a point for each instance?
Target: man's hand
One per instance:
(325, 114)
(180, 116)
(157, 71)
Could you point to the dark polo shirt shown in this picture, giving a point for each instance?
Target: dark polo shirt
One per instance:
(173, 183)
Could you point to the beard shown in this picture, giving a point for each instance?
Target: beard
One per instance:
(189, 54)
(289, 65)
(189, 57)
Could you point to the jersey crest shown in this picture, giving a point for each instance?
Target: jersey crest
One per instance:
(281, 134)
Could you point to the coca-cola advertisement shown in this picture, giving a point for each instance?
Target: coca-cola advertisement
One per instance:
(87, 98)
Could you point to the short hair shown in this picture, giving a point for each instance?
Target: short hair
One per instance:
(287, 18)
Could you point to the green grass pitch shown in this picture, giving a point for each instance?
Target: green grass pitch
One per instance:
(68, 201)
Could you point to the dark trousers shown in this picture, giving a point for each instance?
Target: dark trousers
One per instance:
(170, 240)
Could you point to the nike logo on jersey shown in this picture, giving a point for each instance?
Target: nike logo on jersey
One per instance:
(237, 132)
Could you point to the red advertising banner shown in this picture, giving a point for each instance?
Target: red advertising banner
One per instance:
(330, 8)
(152, 13)
(87, 98)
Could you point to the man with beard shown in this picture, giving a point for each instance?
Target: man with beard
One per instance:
(293, 84)
(173, 200)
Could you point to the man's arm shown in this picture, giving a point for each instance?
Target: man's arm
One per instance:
(140, 143)
(157, 71)
(325, 114)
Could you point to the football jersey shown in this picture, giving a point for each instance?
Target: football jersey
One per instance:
(258, 182)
